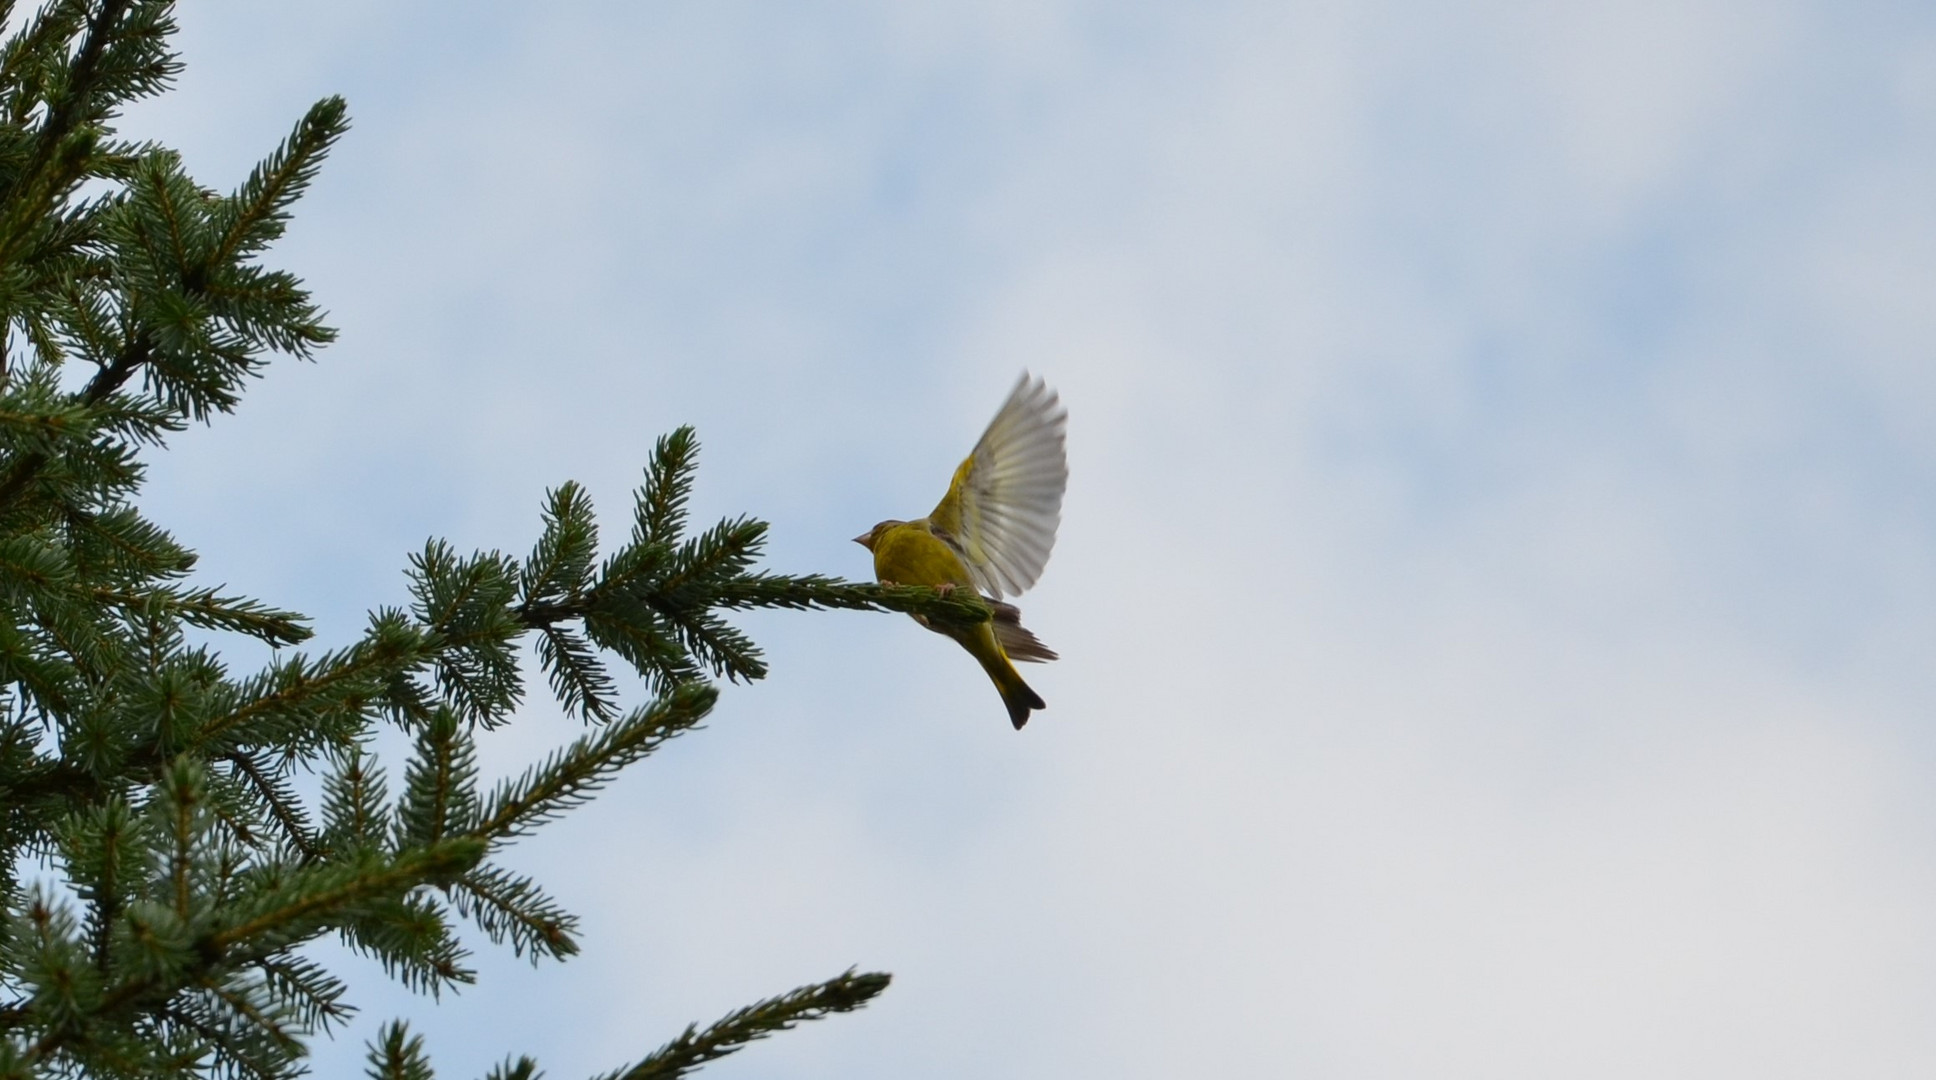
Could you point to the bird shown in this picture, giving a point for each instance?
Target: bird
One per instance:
(992, 532)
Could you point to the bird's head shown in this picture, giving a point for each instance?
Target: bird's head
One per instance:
(872, 536)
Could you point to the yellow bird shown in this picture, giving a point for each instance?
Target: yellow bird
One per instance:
(992, 532)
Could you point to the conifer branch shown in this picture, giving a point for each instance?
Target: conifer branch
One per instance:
(311, 693)
(569, 777)
(411, 939)
(281, 803)
(522, 1069)
(802, 592)
(308, 896)
(561, 564)
(203, 608)
(511, 908)
(640, 635)
(398, 1055)
(50, 425)
(111, 378)
(661, 513)
(25, 57)
(694, 1048)
(257, 212)
(466, 604)
(27, 466)
(256, 1021)
(581, 683)
(353, 805)
(814, 591)
(312, 995)
(31, 192)
(440, 796)
(120, 547)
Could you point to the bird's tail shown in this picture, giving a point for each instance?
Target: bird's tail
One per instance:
(1015, 693)
(985, 645)
(1020, 701)
(1016, 644)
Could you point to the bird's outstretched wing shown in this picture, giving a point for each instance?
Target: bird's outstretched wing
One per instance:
(1005, 503)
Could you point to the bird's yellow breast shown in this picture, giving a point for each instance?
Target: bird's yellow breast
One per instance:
(911, 554)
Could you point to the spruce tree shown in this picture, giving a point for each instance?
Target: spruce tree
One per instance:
(161, 866)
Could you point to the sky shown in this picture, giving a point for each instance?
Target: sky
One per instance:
(1497, 580)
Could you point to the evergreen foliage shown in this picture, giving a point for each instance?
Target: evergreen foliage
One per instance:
(161, 870)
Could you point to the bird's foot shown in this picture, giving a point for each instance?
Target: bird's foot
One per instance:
(946, 588)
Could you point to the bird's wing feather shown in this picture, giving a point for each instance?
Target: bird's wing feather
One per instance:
(1016, 640)
(1005, 503)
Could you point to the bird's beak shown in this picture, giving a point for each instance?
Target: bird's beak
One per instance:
(865, 540)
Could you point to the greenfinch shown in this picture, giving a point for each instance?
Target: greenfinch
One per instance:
(992, 532)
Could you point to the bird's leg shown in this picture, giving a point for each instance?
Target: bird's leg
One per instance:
(946, 588)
